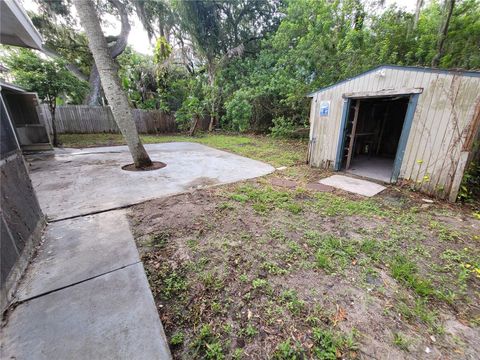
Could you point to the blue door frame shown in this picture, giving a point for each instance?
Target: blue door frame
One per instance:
(402, 143)
(343, 133)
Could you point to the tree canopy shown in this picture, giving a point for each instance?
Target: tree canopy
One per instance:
(248, 64)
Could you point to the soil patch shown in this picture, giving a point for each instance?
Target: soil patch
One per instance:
(155, 166)
(257, 272)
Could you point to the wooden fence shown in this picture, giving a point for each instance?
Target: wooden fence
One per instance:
(99, 119)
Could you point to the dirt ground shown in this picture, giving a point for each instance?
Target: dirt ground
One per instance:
(257, 271)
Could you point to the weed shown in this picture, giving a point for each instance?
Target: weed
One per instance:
(291, 301)
(160, 239)
(445, 233)
(277, 234)
(287, 351)
(226, 205)
(237, 354)
(334, 205)
(208, 344)
(273, 268)
(323, 261)
(259, 283)
(173, 284)
(264, 199)
(371, 248)
(401, 341)
(211, 280)
(325, 344)
(192, 244)
(419, 311)
(177, 339)
(333, 252)
(250, 331)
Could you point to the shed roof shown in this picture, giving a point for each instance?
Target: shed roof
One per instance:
(11, 87)
(16, 28)
(398, 67)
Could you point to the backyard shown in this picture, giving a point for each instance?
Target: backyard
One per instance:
(275, 268)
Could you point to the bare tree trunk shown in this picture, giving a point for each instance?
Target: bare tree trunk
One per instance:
(442, 35)
(194, 126)
(94, 96)
(211, 81)
(53, 109)
(418, 8)
(111, 83)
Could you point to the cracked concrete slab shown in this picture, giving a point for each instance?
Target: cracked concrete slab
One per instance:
(85, 321)
(78, 249)
(77, 182)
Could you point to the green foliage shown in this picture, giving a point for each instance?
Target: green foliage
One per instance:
(325, 344)
(470, 187)
(288, 351)
(162, 50)
(266, 199)
(282, 127)
(250, 63)
(192, 107)
(177, 339)
(239, 111)
(47, 77)
(207, 344)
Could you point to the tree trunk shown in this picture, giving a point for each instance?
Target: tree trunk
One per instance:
(194, 126)
(442, 35)
(114, 93)
(211, 81)
(53, 109)
(94, 96)
(418, 8)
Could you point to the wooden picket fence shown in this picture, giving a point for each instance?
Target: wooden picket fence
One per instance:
(99, 119)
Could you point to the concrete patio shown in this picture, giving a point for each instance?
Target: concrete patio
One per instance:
(85, 295)
(77, 182)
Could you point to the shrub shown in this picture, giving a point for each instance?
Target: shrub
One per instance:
(282, 127)
(239, 111)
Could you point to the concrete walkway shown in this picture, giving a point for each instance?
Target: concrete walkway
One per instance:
(85, 295)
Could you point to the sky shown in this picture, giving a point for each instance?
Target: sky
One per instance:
(138, 38)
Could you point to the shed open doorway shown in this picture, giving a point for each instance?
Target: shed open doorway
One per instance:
(372, 134)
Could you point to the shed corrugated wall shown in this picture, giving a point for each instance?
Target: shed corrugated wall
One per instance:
(442, 121)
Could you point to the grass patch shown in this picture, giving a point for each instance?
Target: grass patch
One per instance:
(406, 272)
(276, 152)
(266, 198)
(333, 205)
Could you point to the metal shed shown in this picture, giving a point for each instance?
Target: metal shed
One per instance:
(396, 122)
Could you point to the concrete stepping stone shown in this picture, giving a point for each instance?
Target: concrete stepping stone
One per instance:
(356, 186)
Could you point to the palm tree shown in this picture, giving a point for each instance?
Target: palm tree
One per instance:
(107, 69)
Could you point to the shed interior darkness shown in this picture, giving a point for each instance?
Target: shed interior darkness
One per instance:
(373, 140)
